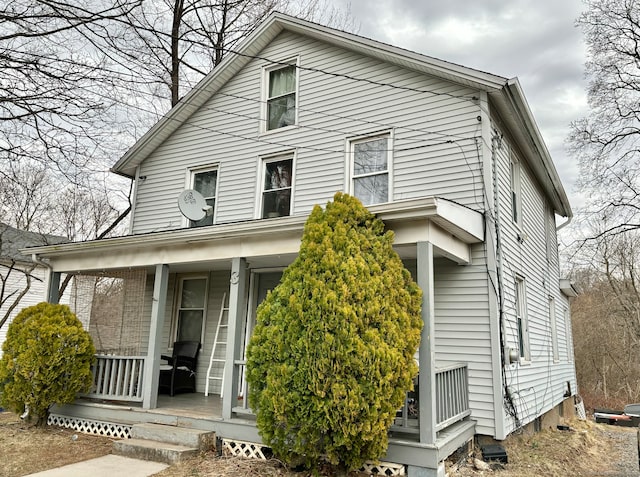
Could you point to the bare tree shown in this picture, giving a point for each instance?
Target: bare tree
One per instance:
(169, 45)
(607, 142)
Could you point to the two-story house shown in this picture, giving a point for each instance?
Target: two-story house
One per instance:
(450, 158)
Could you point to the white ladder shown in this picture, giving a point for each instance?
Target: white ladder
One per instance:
(213, 358)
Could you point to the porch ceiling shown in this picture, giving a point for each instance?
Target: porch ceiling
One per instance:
(265, 243)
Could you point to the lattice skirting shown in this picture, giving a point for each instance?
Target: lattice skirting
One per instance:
(252, 450)
(88, 426)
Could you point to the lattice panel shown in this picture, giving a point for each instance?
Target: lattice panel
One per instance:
(87, 426)
(383, 468)
(243, 449)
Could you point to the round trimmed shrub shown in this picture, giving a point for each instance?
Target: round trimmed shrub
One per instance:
(46, 360)
(332, 353)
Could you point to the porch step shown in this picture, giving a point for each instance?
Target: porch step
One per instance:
(183, 436)
(153, 450)
(162, 443)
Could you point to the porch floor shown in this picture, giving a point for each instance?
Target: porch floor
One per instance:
(193, 405)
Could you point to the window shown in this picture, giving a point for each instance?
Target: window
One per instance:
(191, 309)
(276, 187)
(370, 166)
(550, 232)
(522, 324)
(516, 203)
(281, 97)
(568, 332)
(554, 329)
(205, 181)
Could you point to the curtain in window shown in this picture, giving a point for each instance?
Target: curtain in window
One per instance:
(281, 103)
(276, 201)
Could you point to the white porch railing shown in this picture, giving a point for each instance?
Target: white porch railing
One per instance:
(452, 395)
(452, 401)
(117, 378)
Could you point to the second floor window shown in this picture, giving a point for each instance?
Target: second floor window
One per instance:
(370, 166)
(205, 182)
(281, 97)
(276, 187)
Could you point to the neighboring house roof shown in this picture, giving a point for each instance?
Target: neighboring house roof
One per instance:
(506, 94)
(12, 240)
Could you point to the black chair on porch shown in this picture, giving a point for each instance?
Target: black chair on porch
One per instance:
(180, 374)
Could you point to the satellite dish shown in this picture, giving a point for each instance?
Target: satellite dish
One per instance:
(193, 206)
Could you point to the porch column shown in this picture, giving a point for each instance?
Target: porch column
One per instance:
(53, 287)
(427, 379)
(237, 314)
(152, 361)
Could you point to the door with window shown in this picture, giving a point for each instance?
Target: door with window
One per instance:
(192, 309)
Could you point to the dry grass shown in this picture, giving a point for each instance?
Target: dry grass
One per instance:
(26, 449)
(588, 450)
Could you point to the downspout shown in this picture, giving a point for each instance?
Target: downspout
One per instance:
(51, 283)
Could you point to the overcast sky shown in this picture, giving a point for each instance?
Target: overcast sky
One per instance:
(536, 41)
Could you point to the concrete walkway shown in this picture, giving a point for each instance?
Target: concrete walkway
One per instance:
(106, 466)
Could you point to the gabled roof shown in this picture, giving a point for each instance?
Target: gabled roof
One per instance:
(506, 94)
(12, 240)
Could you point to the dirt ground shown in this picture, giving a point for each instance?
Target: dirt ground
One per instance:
(587, 450)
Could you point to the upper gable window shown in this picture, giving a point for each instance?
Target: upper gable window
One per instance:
(277, 185)
(370, 169)
(205, 181)
(281, 96)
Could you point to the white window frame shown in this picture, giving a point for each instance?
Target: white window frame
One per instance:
(180, 279)
(190, 184)
(554, 329)
(522, 322)
(264, 110)
(262, 167)
(515, 172)
(549, 232)
(569, 334)
(350, 162)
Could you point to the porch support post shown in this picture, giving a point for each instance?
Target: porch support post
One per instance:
(152, 362)
(427, 382)
(237, 314)
(53, 287)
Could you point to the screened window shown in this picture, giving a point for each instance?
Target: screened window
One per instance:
(191, 310)
(276, 187)
(205, 182)
(281, 97)
(371, 159)
(522, 324)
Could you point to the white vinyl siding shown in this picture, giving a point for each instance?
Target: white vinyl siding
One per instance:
(553, 326)
(434, 136)
(539, 384)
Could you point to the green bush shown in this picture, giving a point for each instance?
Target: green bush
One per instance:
(46, 360)
(332, 354)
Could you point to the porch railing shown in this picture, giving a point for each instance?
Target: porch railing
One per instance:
(117, 378)
(451, 396)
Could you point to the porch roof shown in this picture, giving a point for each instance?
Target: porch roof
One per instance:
(450, 227)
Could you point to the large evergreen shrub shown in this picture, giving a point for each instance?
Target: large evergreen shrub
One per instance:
(46, 360)
(332, 354)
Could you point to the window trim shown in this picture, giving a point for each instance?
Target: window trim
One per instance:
(190, 184)
(180, 279)
(568, 330)
(350, 163)
(262, 162)
(553, 324)
(522, 321)
(515, 172)
(264, 96)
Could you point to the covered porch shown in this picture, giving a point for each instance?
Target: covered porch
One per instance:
(241, 262)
